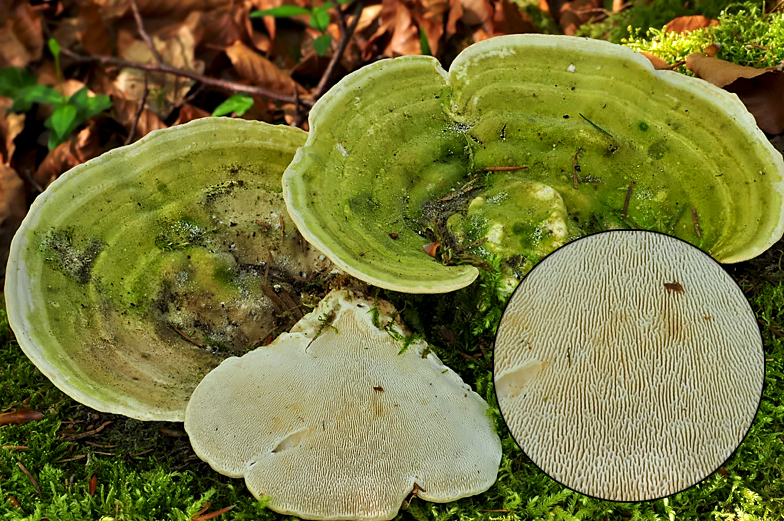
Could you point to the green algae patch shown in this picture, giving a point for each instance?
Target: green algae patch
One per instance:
(136, 273)
(615, 143)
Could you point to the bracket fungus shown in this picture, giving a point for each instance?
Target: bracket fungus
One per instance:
(628, 365)
(599, 138)
(136, 273)
(333, 421)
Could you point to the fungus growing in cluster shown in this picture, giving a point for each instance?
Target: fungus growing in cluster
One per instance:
(335, 421)
(628, 365)
(598, 138)
(136, 273)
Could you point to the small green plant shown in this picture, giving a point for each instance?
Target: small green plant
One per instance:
(318, 20)
(238, 104)
(69, 112)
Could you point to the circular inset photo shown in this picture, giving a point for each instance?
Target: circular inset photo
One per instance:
(628, 365)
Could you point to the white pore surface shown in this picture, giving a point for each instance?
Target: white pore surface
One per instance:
(619, 386)
(339, 425)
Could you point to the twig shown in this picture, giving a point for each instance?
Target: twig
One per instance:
(87, 434)
(139, 111)
(140, 453)
(31, 478)
(297, 121)
(696, 225)
(29, 176)
(628, 197)
(143, 33)
(212, 515)
(232, 86)
(773, 329)
(345, 38)
(475, 243)
(186, 337)
(80, 456)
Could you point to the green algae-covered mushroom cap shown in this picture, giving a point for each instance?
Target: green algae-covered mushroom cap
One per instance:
(588, 125)
(136, 273)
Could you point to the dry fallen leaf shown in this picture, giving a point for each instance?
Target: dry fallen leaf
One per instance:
(8, 418)
(368, 16)
(94, 35)
(11, 125)
(13, 207)
(685, 24)
(719, 72)
(430, 17)
(56, 162)
(657, 62)
(405, 34)
(21, 35)
(761, 90)
(176, 47)
(125, 114)
(477, 12)
(574, 14)
(259, 70)
(189, 113)
(508, 19)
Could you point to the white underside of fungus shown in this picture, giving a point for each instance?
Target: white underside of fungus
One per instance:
(331, 422)
(628, 365)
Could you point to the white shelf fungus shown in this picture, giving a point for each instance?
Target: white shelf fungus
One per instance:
(628, 365)
(332, 422)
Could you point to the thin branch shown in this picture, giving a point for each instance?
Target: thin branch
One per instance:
(143, 33)
(31, 478)
(167, 69)
(139, 111)
(345, 38)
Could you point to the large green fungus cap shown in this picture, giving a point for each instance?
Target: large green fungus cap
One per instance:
(136, 273)
(528, 142)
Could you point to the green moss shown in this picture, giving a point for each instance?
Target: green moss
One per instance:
(747, 36)
(643, 15)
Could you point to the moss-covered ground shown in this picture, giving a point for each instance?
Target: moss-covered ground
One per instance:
(77, 464)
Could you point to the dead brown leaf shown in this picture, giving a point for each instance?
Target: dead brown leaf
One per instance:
(11, 125)
(21, 35)
(177, 9)
(455, 15)
(125, 114)
(176, 47)
(259, 70)
(56, 162)
(368, 15)
(8, 418)
(13, 207)
(719, 72)
(508, 19)
(94, 35)
(686, 24)
(405, 35)
(778, 143)
(657, 62)
(188, 113)
(574, 14)
(761, 90)
(430, 17)
(477, 12)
